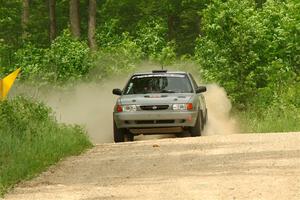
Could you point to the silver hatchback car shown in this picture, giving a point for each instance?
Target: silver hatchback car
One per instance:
(159, 102)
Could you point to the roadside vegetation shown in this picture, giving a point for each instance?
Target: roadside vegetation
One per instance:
(253, 51)
(249, 47)
(31, 140)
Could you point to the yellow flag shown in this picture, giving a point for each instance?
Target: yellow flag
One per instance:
(7, 82)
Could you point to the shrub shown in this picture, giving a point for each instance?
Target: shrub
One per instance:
(249, 50)
(32, 61)
(274, 118)
(31, 140)
(66, 59)
(117, 58)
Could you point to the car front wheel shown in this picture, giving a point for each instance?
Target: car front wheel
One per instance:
(119, 134)
(130, 137)
(196, 130)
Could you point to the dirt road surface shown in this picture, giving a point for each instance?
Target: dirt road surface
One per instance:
(241, 166)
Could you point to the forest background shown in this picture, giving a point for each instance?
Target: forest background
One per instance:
(249, 47)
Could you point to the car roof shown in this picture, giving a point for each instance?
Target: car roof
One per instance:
(160, 72)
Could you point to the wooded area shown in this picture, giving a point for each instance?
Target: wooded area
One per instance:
(250, 47)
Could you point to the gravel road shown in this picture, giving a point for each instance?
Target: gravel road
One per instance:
(240, 166)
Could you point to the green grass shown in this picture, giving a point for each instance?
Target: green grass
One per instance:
(31, 140)
(269, 120)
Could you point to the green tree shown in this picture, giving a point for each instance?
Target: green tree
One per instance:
(10, 30)
(250, 50)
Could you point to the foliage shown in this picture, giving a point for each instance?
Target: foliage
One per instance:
(38, 24)
(250, 47)
(175, 22)
(126, 12)
(272, 111)
(151, 37)
(184, 23)
(10, 30)
(271, 119)
(120, 55)
(31, 140)
(167, 55)
(31, 59)
(180, 18)
(66, 59)
(3, 48)
(250, 50)
(108, 34)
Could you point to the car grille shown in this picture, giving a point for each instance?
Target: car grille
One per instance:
(154, 121)
(155, 107)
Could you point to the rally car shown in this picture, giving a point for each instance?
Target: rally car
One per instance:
(159, 102)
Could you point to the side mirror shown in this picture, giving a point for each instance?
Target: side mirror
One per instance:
(201, 89)
(117, 91)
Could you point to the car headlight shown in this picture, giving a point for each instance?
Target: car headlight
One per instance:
(183, 106)
(129, 108)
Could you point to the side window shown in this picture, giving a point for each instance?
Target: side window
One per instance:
(193, 80)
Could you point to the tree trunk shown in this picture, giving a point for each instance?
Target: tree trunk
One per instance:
(52, 16)
(25, 18)
(92, 24)
(75, 18)
(171, 27)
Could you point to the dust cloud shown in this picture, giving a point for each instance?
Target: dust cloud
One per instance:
(219, 106)
(87, 104)
(91, 105)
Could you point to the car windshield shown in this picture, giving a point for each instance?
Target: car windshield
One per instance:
(158, 83)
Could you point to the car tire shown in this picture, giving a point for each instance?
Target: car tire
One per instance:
(119, 134)
(202, 120)
(130, 137)
(196, 130)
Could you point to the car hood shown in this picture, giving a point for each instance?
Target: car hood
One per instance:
(155, 99)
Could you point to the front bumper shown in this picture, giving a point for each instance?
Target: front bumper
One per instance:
(155, 119)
